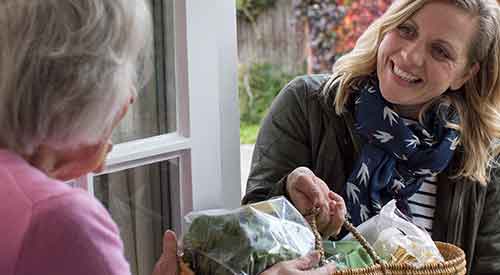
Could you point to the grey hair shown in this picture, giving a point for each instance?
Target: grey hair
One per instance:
(67, 67)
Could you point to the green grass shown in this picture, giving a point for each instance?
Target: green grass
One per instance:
(248, 133)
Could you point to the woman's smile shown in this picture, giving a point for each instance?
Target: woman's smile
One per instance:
(403, 75)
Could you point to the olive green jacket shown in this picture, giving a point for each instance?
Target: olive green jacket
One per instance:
(302, 129)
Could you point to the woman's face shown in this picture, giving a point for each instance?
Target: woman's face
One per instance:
(426, 55)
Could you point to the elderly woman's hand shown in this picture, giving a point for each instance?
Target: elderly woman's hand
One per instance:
(301, 266)
(168, 264)
(308, 192)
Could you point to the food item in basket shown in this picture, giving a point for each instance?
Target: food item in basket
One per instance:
(402, 256)
(347, 254)
(397, 247)
(246, 240)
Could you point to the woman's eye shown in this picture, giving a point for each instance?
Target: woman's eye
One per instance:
(440, 52)
(405, 31)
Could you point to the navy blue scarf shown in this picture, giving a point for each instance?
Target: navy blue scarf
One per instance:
(396, 157)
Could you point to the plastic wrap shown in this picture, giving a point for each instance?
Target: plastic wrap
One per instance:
(246, 240)
(398, 240)
(347, 254)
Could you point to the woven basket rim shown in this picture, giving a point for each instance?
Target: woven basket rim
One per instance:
(453, 265)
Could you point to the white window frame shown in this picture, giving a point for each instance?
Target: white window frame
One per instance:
(207, 138)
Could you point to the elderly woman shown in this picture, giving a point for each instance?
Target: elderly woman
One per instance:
(412, 113)
(68, 71)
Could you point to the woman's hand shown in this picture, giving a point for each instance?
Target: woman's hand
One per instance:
(308, 192)
(168, 264)
(301, 266)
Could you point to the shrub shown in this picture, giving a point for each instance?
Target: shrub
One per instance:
(258, 84)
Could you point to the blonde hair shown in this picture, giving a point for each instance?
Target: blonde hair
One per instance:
(478, 101)
(67, 67)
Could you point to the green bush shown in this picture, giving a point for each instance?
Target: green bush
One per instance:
(250, 9)
(258, 84)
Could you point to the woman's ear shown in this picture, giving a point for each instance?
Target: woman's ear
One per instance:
(458, 83)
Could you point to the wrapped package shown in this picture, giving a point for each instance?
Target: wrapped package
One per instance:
(347, 254)
(397, 240)
(246, 240)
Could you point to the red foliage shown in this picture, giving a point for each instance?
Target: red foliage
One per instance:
(359, 16)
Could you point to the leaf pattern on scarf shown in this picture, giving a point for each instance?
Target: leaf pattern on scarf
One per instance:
(391, 114)
(372, 90)
(413, 142)
(363, 174)
(364, 213)
(454, 143)
(376, 205)
(352, 192)
(428, 138)
(383, 137)
(397, 185)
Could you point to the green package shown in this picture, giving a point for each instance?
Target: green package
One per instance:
(247, 240)
(347, 254)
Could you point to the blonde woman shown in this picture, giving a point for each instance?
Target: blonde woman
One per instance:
(68, 71)
(412, 113)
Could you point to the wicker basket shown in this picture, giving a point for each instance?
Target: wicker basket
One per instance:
(454, 257)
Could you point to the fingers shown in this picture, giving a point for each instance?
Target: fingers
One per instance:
(324, 270)
(302, 189)
(339, 210)
(335, 221)
(331, 219)
(308, 191)
(301, 266)
(304, 263)
(323, 218)
(168, 264)
(335, 197)
(170, 248)
(336, 215)
(307, 186)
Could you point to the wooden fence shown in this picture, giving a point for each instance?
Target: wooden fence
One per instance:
(273, 38)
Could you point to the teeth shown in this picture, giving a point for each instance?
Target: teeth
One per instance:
(404, 75)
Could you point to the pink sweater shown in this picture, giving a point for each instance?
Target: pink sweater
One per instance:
(48, 228)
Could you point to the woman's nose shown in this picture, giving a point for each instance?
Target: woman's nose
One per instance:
(414, 53)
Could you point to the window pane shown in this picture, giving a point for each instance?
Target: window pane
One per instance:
(139, 201)
(154, 111)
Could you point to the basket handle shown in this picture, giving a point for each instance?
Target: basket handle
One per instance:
(366, 245)
(311, 218)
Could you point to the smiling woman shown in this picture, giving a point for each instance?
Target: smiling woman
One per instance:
(412, 113)
(426, 55)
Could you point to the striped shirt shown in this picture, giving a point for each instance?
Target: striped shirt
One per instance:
(423, 202)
